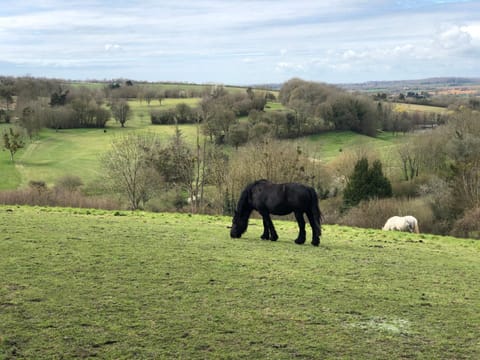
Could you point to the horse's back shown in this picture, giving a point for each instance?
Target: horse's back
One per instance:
(394, 223)
(402, 223)
(281, 199)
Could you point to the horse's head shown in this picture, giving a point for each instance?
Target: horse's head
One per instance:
(239, 225)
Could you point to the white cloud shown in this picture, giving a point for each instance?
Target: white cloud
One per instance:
(112, 47)
(287, 67)
(453, 37)
(269, 40)
(473, 30)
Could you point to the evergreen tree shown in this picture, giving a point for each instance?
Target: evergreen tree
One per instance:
(378, 184)
(366, 183)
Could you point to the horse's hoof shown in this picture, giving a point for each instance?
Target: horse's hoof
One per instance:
(299, 241)
(274, 239)
(263, 237)
(315, 243)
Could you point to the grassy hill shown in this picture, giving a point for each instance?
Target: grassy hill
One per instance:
(85, 283)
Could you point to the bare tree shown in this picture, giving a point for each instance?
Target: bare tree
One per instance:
(121, 111)
(128, 167)
(409, 157)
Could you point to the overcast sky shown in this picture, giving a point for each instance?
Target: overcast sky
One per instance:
(240, 42)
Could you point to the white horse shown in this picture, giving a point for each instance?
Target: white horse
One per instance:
(402, 223)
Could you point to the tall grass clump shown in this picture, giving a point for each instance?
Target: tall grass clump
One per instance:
(66, 193)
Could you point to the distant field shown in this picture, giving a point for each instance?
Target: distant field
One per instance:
(119, 285)
(141, 110)
(157, 86)
(421, 108)
(328, 146)
(275, 106)
(76, 151)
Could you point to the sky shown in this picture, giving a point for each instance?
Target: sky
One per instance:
(240, 42)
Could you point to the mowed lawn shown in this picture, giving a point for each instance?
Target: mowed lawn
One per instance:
(89, 283)
(53, 154)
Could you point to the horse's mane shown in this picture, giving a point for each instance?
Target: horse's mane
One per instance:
(243, 204)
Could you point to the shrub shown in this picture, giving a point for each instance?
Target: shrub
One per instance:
(69, 183)
(468, 225)
(162, 117)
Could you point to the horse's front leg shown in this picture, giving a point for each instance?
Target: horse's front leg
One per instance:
(269, 229)
(266, 230)
(301, 227)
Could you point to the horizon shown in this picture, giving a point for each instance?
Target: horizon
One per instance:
(241, 42)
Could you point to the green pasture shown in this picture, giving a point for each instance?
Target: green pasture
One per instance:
(141, 110)
(120, 285)
(53, 154)
(275, 106)
(77, 152)
(9, 175)
(327, 146)
(159, 86)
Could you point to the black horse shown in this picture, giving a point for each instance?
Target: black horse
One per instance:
(278, 199)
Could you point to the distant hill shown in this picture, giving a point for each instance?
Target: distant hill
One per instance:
(399, 85)
(420, 84)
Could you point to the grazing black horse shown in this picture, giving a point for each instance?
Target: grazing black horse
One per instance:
(278, 199)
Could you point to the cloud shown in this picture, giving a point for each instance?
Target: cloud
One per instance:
(454, 37)
(112, 47)
(264, 41)
(288, 67)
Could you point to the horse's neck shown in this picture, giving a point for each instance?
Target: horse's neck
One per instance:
(244, 208)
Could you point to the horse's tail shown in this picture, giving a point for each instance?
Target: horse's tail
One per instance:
(317, 214)
(415, 228)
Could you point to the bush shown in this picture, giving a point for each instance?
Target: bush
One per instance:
(69, 183)
(409, 189)
(162, 117)
(468, 225)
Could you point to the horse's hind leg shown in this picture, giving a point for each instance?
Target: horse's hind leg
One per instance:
(316, 229)
(266, 230)
(301, 227)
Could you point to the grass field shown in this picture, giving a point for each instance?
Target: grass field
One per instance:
(76, 152)
(420, 108)
(85, 283)
(328, 146)
(54, 154)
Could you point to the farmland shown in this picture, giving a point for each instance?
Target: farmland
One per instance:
(90, 283)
